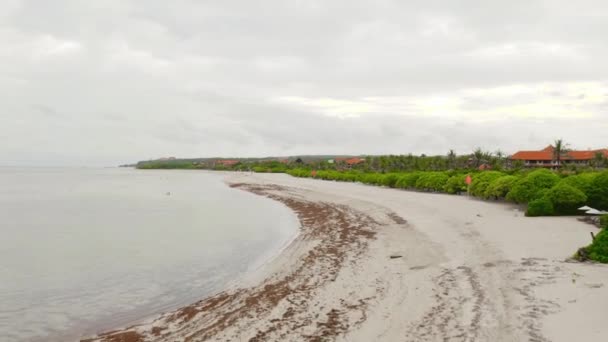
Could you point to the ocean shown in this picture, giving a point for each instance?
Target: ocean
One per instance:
(84, 249)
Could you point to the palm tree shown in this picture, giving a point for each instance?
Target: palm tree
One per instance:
(451, 159)
(559, 148)
(500, 158)
(479, 156)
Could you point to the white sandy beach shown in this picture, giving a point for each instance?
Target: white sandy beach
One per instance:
(376, 264)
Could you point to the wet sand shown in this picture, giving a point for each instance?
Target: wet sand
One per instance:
(374, 264)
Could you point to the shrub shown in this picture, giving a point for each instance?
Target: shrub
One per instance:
(540, 207)
(432, 181)
(598, 193)
(566, 198)
(604, 221)
(598, 250)
(408, 181)
(581, 182)
(482, 180)
(530, 187)
(371, 178)
(390, 180)
(500, 187)
(456, 184)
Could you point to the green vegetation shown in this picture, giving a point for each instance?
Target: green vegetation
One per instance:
(482, 181)
(540, 207)
(544, 191)
(581, 182)
(531, 187)
(597, 250)
(167, 164)
(408, 180)
(456, 184)
(598, 192)
(500, 187)
(432, 181)
(566, 199)
(604, 221)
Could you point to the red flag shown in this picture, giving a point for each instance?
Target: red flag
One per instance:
(468, 180)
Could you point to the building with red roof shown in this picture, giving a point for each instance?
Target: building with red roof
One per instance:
(354, 161)
(548, 158)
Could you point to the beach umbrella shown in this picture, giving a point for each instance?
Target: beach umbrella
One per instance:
(585, 208)
(594, 212)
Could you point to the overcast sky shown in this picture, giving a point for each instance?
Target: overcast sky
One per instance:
(114, 81)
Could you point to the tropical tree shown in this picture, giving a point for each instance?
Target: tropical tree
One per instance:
(498, 162)
(481, 157)
(451, 159)
(559, 149)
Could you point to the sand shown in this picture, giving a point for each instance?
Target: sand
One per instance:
(377, 264)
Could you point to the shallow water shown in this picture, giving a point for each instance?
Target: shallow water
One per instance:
(89, 249)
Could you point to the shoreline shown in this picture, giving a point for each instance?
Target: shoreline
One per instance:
(277, 282)
(382, 264)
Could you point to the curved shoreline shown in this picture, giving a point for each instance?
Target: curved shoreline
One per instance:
(456, 269)
(318, 249)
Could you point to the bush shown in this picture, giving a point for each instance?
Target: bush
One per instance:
(500, 187)
(408, 181)
(540, 207)
(482, 180)
(566, 199)
(390, 180)
(371, 178)
(604, 221)
(456, 184)
(598, 250)
(530, 187)
(432, 181)
(598, 193)
(581, 182)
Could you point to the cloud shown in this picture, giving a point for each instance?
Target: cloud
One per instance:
(101, 83)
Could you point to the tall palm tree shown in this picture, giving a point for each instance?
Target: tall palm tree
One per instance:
(559, 149)
(451, 159)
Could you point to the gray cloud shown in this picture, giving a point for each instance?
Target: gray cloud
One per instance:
(107, 82)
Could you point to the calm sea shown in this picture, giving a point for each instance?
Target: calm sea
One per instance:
(89, 249)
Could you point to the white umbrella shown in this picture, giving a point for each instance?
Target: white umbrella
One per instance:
(594, 212)
(585, 208)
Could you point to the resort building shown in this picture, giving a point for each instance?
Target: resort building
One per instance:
(548, 158)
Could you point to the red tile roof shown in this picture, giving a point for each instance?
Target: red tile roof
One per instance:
(586, 155)
(547, 154)
(354, 161)
(533, 155)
